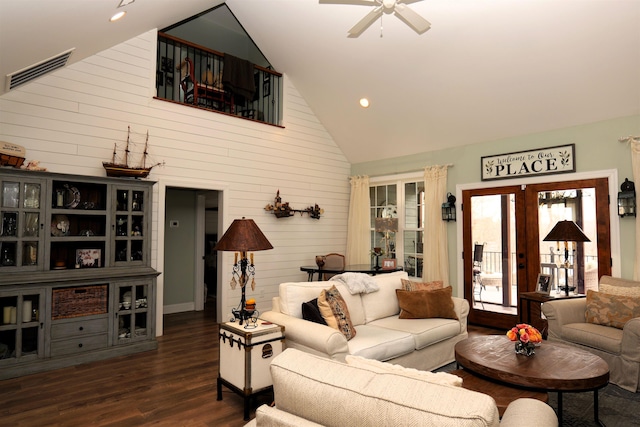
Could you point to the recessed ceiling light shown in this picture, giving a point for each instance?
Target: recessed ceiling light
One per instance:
(117, 16)
(364, 103)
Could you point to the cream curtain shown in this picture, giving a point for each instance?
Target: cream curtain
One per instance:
(635, 164)
(359, 224)
(436, 253)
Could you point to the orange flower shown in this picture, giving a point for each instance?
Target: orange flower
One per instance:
(524, 333)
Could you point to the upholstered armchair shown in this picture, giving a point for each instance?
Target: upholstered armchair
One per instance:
(333, 261)
(572, 322)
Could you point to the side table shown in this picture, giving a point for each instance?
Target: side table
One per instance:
(527, 299)
(245, 355)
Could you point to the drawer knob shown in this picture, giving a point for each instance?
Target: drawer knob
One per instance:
(80, 345)
(81, 328)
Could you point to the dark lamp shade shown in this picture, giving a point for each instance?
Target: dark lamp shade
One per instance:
(566, 231)
(386, 224)
(243, 235)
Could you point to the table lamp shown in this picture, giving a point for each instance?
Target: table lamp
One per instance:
(243, 236)
(566, 231)
(386, 226)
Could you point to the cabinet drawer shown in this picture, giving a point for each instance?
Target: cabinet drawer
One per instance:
(79, 328)
(78, 345)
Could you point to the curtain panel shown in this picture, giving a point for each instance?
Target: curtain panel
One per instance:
(435, 250)
(359, 224)
(635, 165)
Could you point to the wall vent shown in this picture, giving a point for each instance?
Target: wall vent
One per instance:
(41, 68)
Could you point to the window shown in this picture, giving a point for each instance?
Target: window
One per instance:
(402, 198)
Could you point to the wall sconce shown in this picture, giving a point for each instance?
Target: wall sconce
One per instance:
(449, 208)
(627, 199)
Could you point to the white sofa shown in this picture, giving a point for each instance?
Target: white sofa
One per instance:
(620, 348)
(424, 344)
(314, 391)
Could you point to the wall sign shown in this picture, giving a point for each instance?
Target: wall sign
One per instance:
(542, 161)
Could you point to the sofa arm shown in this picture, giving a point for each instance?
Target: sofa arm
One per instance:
(461, 308)
(563, 312)
(527, 412)
(631, 340)
(308, 336)
(267, 416)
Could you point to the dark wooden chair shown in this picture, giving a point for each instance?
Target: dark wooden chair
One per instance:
(209, 92)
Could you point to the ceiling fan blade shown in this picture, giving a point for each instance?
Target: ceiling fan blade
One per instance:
(415, 21)
(364, 23)
(354, 2)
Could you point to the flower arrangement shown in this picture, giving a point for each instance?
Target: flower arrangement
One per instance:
(525, 337)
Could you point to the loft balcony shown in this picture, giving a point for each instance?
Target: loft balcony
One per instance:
(204, 78)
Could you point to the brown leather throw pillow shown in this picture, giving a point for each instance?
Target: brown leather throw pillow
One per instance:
(426, 304)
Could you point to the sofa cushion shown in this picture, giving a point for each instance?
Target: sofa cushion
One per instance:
(426, 304)
(425, 332)
(410, 285)
(623, 291)
(443, 378)
(611, 310)
(380, 344)
(335, 312)
(384, 302)
(311, 312)
(293, 294)
(594, 336)
(336, 394)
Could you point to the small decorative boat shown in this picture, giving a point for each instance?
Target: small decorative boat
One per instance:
(123, 169)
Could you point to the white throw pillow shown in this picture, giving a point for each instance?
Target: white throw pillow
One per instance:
(383, 303)
(441, 378)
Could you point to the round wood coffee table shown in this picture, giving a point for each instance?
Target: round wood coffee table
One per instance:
(555, 367)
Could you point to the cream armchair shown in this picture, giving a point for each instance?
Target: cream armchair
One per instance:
(620, 348)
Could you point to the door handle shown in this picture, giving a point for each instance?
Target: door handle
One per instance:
(521, 266)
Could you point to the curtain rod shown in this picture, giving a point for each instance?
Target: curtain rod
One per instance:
(449, 165)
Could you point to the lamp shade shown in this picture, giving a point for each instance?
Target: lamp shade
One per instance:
(386, 224)
(243, 235)
(566, 231)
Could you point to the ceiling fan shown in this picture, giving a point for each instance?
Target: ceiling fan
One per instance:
(398, 7)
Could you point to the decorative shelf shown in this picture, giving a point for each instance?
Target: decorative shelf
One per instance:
(283, 210)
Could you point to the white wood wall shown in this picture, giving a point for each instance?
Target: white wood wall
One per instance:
(70, 120)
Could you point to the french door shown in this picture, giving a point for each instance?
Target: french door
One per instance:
(504, 248)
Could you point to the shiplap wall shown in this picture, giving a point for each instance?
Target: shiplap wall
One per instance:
(70, 120)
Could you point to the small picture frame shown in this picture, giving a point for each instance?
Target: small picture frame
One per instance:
(88, 258)
(543, 284)
(389, 263)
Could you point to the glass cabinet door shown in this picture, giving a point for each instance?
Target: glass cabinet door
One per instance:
(21, 328)
(21, 224)
(130, 226)
(133, 319)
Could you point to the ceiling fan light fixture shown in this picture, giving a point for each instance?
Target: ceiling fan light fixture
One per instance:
(364, 102)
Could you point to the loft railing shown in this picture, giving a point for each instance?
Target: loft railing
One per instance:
(192, 74)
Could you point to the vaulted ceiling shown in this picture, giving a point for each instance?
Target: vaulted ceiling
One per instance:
(486, 70)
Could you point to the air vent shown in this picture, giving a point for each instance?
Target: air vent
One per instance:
(40, 69)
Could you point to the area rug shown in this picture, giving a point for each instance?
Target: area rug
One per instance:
(618, 407)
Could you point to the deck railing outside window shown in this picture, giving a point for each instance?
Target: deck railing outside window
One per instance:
(192, 74)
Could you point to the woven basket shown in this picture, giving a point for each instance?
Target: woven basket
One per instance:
(79, 301)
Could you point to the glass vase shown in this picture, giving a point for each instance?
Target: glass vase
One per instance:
(527, 349)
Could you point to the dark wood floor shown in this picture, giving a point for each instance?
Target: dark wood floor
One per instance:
(172, 386)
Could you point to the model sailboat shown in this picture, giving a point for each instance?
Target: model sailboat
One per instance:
(123, 169)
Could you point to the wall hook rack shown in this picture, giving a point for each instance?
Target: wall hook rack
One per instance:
(283, 210)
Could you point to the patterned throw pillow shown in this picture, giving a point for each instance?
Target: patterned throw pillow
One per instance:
(410, 285)
(426, 304)
(335, 312)
(611, 310)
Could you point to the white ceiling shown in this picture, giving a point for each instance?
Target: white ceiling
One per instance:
(487, 69)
